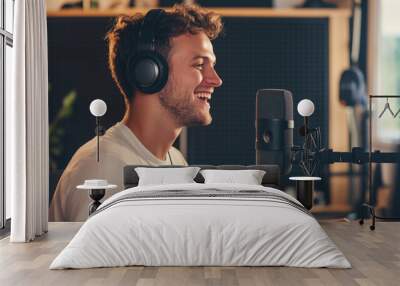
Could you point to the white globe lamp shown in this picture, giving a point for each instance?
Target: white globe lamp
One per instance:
(98, 108)
(305, 108)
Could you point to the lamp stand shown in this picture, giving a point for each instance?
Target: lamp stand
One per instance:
(97, 135)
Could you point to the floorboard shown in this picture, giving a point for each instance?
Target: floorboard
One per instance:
(374, 255)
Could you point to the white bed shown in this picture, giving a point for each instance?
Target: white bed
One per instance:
(225, 225)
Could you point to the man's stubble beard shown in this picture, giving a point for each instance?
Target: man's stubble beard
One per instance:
(179, 104)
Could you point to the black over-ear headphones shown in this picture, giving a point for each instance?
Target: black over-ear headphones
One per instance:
(352, 87)
(147, 70)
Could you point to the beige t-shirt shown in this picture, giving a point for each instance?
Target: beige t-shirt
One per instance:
(118, 147)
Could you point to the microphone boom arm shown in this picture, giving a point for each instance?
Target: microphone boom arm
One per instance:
(357, 156)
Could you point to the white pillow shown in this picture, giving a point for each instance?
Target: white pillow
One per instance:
(163, 176)
(249, 177)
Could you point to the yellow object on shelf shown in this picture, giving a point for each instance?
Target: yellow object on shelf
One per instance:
(227, 12)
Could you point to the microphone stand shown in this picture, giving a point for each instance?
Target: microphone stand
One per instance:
(314, 156)
(359, 156)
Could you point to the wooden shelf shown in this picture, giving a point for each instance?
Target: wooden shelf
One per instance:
(227, 12)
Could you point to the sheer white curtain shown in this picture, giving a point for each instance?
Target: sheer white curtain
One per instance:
(27, 124)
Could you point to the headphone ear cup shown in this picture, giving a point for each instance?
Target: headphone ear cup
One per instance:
(352, 87)
(148, 72)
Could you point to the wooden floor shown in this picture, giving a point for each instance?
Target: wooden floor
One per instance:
(374, 255)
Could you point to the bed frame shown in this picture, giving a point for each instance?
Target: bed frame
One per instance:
(270, 179)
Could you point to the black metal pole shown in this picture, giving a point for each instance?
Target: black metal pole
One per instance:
(370, 151)
(97, 134)
(306, 144)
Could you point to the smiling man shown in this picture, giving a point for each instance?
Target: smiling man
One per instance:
(160, 99)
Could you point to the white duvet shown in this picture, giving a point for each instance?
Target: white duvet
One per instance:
(183, 231)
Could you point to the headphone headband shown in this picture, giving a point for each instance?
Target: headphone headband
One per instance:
(146, 37)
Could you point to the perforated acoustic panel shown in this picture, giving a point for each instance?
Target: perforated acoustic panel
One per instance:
(255, 53)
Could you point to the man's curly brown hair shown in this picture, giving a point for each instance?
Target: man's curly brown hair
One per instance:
(122, 37)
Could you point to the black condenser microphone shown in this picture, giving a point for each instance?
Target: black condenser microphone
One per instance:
(274, 128)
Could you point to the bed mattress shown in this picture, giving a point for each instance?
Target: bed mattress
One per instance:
(201, 225)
